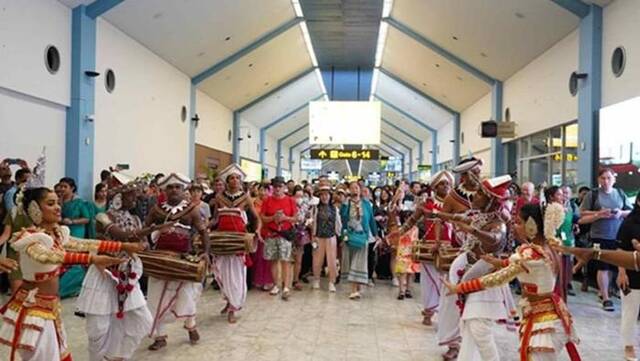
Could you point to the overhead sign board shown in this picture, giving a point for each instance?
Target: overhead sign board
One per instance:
(310, 164)
(424, 167)
(330, 154)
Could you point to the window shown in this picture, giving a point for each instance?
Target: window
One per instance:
(52, 59)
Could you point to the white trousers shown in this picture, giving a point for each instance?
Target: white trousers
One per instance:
(47, 348)
(113, 338)
(478, 342)
(231, 275)
(169, 300)
(630, 307)
(430, 284)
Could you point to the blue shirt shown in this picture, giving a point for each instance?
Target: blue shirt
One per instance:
(8, 198)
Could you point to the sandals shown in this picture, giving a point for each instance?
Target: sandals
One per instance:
(354, 296)
(158, 343)
(451, 354)
(194, 336)
(407, 294)
(285, 294)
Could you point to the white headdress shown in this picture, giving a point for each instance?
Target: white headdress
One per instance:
(232, 168)
(174, 179)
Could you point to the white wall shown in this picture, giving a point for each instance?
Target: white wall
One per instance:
(470, 119)
(33, 101)
(621, 26)
(139, 123)
(216, 121)
(538, 95)
(445, 147)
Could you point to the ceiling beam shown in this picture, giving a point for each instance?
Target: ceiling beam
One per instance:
(407, 134)
(440, 50)
(279, 150)
(212, 70)
(417, 91)
(576, 7)
(407, 115)
(100, 7)
(275, 90)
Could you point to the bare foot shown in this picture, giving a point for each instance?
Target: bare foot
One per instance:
(231, 317)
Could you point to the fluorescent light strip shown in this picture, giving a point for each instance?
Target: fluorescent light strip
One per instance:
(321, 83)
(382, 37)
(387, 6)
(298, 9)
(307, 40)
(374, 83)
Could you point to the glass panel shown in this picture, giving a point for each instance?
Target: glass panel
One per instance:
(539, 143)
(556, 169)
(524, 169)
(524, 147)
(539, 170)
(556, 140)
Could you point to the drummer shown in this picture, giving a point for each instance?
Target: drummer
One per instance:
(230, 209)
(117, 316)
(175, 299)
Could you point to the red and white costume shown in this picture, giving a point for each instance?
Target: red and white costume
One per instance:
(31, 325)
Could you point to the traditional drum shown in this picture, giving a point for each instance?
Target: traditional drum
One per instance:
(230, 243)
(427, 250)
(173, 266)
(446, 255)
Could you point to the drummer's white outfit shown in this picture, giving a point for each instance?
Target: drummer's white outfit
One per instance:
(171, 300)
(230, 270)
(115, 333)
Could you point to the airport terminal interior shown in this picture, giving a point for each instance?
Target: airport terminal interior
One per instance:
(319, 180)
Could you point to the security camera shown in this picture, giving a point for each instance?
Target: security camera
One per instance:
(90, 117)
(91, 73)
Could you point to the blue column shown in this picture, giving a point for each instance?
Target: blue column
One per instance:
(236, 138)
(589, 95)
(434, 152)
(262, 144)
(456, 138)
(497, 150)
(192, 131)
(278, 159)
(291, 160)
(80, 132)
(421, 152)
(410, 164)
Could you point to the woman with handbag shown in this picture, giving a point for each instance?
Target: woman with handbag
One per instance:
(358, 225)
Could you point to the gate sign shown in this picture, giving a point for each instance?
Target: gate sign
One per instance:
(356, 154)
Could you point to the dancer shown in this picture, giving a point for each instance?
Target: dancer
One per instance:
(485, 234)
(457, 201)
(547, 326)
(229, 209)
(32, 325)
(436, 232)
(117, 316)
(170, 299)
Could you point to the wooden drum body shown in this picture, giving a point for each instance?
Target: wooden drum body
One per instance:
(231, 243)
(446, 255)
(172, 266)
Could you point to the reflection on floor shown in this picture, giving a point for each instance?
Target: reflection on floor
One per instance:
(316, 325)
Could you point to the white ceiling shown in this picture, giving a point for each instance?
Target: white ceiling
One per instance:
(412, 102)
(510, 32)
(283, 101)
(191, 34)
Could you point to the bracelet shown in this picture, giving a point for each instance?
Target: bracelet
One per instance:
(597, 254)
(635, 260)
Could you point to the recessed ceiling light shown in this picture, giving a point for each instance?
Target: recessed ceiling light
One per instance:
(250, 65)
(437, 65)
(454, 37)
(519, 15)
(228, 77)
(157, 15)
(266, 83)
(201, 53)
(484, 55)
(424, 84)
(227, 38)
(444, 96)
(459, 78)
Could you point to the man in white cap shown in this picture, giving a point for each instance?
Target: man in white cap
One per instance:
(229, 209)
(460, 199)
(175, 299)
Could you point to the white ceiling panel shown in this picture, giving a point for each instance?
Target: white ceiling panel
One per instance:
(403, 122)
(196, 34)
(430, 72)
(498, 37)
(412, 102)
(260, 71)
(283, 101)
(389, 130)
(290, 124)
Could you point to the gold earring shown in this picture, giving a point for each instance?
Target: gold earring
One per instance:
(35, 213)
(531, 228)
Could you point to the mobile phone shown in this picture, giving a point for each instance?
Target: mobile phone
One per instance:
(626, 291)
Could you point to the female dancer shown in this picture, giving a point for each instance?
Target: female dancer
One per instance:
(33, 327)
(547, 324)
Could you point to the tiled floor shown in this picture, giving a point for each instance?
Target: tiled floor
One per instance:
(316, 325)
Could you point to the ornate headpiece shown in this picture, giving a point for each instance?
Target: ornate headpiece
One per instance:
(174, 179)
(440, 176)
(467, 164)
(232, 168)
(497, 187)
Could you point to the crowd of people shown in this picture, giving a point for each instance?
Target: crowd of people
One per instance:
(136, 256)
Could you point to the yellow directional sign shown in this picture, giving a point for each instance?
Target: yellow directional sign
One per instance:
(356, 154)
